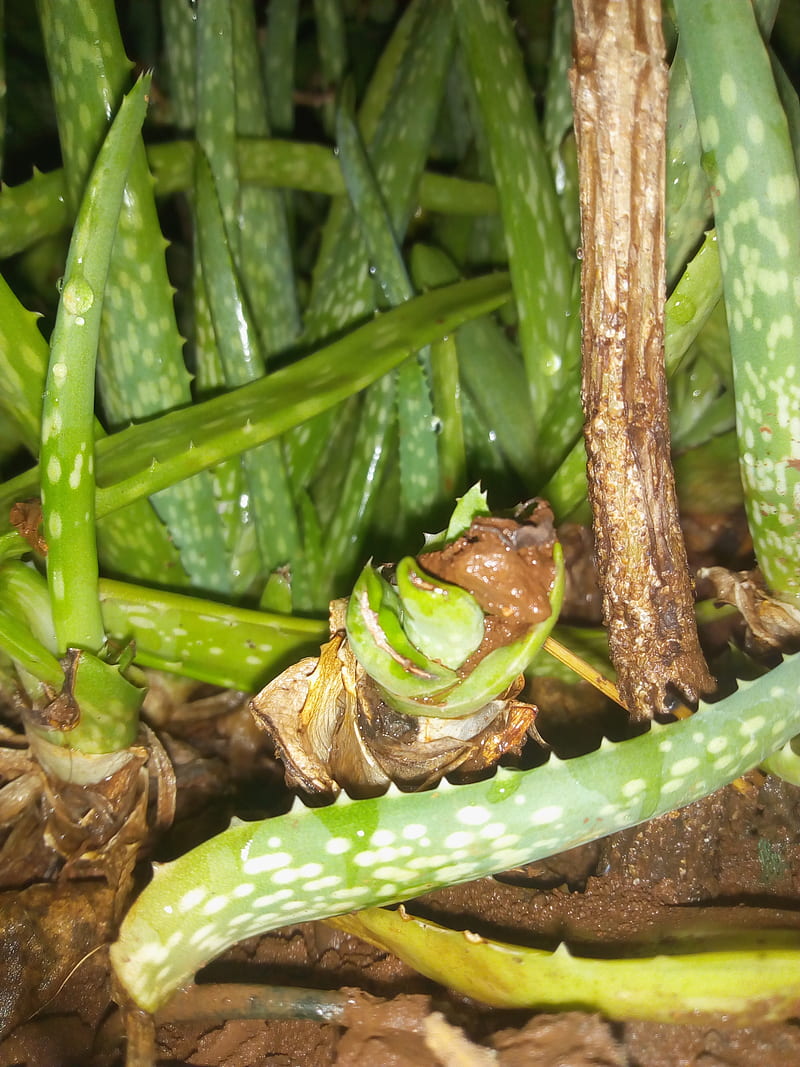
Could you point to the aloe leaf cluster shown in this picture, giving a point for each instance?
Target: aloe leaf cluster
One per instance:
(309, 298)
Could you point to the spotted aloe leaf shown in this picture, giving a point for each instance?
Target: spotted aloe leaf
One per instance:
(344, 291)
(38, 207)
(541, 265)
(442, 620)
(748, 158)
(375, 619)
(278, 62)
(67, 450)
(134, 462)
(140, 343)
(688, 203)
(418, 452)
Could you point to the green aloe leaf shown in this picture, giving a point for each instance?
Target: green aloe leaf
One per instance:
(494, 673)
(442, 620)
(134, 462)
(419, 459)
(410, 636)
(216, 643)
(67, 452)
(755, 980)
(540, 262)
(375, 630)
(278, 59)
(30, 655)
(38, 207)
(140, 343)
(748, 157)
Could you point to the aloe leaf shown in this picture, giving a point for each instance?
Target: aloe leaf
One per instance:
(332, 49)
(557, 121)
(539, 259)
(23, 362)
(442, 620)
(688, 201)
(38, 208)
(139, 342)
(376, 101)
(265, 265)
(411, 636)
(180, 41)
(225, 889)
(446, 389)
(134, 542)
(701, 396)
(492, 675)
(133, 462)
(23, 592)
(497, 671)
(178, 30)
(369, 205)
(241, 358)
(343, 291)
(278, 59)
(377, 636)
(419, 460)
(785, 763)
(67, 453)
(468, 507)
(249, 260)
(27, 653)
(490, 367)
(755, 981)
(216, 643)
(216, 107)
(749, 161)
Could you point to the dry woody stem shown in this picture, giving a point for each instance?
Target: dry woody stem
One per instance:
(619, 85)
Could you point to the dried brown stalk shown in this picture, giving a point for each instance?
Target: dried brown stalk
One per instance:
(619, 85)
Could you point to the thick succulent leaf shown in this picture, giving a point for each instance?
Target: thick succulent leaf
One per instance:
(379, 641)
(442, 620)
(468, 507)
(278, 61)
(67, 450)
(494, 674)
(216, 643)
(749, 161)
(755, 980)
(134, 462)
(540, 262)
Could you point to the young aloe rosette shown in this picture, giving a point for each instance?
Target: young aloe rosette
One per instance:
(444, 634)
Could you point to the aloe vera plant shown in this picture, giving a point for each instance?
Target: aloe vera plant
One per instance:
(341, 396)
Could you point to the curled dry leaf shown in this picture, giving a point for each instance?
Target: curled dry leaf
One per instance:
(26, 518)
(773, 623)
(332, 729)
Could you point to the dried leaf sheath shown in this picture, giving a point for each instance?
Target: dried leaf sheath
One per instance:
(619, 84)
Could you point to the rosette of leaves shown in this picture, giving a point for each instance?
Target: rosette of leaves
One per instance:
(426, 659)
